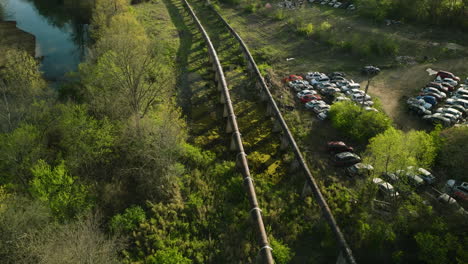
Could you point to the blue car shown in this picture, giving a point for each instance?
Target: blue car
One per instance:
(428, 99)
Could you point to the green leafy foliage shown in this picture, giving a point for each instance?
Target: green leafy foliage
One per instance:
(127, 221)
(20, 85)
(63, 193)
(19, 151)
(281, 253)
(356, 123)
(452, 156)
(395, 150)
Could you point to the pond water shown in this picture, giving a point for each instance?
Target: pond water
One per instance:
(60, 28)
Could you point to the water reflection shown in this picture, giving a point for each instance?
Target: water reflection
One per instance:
(60, 27)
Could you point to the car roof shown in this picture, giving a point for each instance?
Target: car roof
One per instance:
(346, 154)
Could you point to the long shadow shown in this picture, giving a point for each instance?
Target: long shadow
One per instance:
(182, 55)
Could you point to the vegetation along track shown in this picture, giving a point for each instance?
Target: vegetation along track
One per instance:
(258, 123)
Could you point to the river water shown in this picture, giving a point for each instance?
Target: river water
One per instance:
(60, 28)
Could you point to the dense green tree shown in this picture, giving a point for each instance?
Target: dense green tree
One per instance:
(64, 194)
(21, 84)
(128, 221)
(130, 75)
(19, 151)
(396, 150)
(83, 141)
(360, 125)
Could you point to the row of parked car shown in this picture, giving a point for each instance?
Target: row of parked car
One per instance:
(335, 4)
(317, 91)
(437, 92)
(390, 184)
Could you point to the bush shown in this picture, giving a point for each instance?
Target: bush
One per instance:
(357, 124)
(127, 221)
(250, 8)
(306, 30)
(279, 14)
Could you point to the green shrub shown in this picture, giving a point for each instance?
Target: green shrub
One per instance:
(356, 123)
(251, 8)
(127, 221)
(306, 30)
(279, 14)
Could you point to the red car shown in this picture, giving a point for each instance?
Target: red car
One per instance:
(338, 146)
(291, 78)
(450, 87)
(446, 74)
(310, 97)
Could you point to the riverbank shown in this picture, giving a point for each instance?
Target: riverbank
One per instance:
(13, 37)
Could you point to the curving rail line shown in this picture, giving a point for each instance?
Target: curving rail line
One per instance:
(236, 140)
(288, 137)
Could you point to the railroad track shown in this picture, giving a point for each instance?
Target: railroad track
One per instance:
(265, 131)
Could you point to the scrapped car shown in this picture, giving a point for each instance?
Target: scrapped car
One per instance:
(458, 191)
(360, 169)
(418, 109)
(310, 97)
(450, 110)
(299, 85)
(460, 108)
(461, 102)
(446, 74)
(322, 115)
(292, 77)
(323, 79)
(321, 108)
(314, 75)
(346, 159)
(438, 119)
(423, 174)
(312, 104)
(434, 90)
(305, 92)
(428, 99)
(385, 188)
(338, 146)
(370, 70)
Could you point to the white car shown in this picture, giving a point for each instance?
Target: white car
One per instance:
(338, 4)
(448, 80)
(354, 91)
(323, 79)
(305, 92)
(350, 86)
(299, 85)
(323, 115)
(461, 102)
(321, 108)
(434, 90)
(314, 75)
(360, 97)
(386, 188)
(461, 91)
(312, 104)
(449, 110)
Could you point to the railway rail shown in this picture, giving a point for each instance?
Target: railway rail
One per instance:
(279, 125)
(236, 140)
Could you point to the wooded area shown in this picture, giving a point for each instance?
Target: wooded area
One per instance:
(106, 169)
